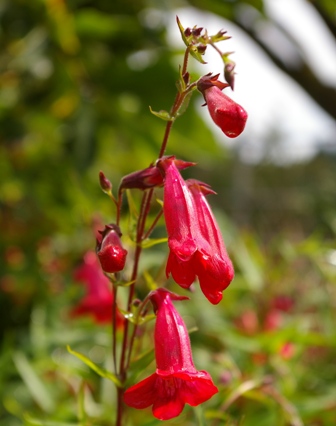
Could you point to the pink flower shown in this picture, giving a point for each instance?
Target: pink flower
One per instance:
(225, 112)
(176, 381)
(99, 298)
(111, 254)
(195, 242)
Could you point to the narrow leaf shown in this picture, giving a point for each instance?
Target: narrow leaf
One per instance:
(153, 242)
(33, 382)
(164, 115)
(100, 371)
(30, 421)
(139, 365)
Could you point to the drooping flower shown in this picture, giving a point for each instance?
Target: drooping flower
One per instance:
(111, 254)
(194, 239)
(99, 298)
(216, 271)
(224, 111)
(176, 381)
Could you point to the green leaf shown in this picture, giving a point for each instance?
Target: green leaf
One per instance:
(184, 38)
(31, 421)
(100, 371)
(164, 115)
(139, 365)
(196, 54)
(135, 319)
(151, 284)
(153, 242)
(185, 103)
(33, 382)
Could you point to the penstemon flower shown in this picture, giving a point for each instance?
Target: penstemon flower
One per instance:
(225, 112)
(176, 381)
(194, 239)
(217, 272)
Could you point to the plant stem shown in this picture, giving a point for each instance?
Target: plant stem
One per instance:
(127, 344)
(114, 328)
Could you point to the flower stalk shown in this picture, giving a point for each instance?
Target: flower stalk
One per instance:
(196, 252)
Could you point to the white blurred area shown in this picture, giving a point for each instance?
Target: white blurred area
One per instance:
(285, 125)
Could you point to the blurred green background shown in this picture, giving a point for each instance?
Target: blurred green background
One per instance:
(76, 80)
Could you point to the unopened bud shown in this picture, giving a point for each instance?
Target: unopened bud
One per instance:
(229, 73)
(196, 32)
(111, 254)
(201, 49)
(105, 184)
(187, 32)
(142, 179)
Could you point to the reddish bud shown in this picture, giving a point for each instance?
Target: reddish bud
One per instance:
(229, 73)
(105, 184)
(111, 254)
(196, 32)
(187, 32)
(142, 179)
(201, 49)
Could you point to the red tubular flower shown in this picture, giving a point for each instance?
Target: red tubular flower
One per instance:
(225, 112)
(99, 298)
(176, 381)
(194, 239)
(216, 271)
(111, 254)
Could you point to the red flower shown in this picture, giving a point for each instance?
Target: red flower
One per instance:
(225, 112)
(99, 298)
(195, 242)
(176, 381)
(111, 254)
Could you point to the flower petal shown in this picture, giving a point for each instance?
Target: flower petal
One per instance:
(182, 272)
(198, 390)
(143, 394)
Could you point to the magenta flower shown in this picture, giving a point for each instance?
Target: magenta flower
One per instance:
(194, 239)
(176, 381)
(99, 298)
(111, 254)
(225, 112)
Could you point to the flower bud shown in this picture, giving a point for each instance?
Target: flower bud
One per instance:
(111, 254)
(142, 179)
(105, 184)
(225, 112)
(229, 73)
